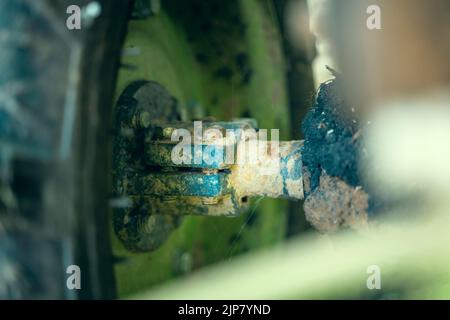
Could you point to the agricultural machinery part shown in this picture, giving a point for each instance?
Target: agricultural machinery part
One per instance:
(153, 192)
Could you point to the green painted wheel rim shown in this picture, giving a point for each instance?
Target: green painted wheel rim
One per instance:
(245, 79)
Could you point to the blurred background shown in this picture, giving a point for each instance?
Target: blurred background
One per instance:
(380, 66)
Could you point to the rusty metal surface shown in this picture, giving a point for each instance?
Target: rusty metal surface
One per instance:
(209, 182)
(274, 175)
(134, 223)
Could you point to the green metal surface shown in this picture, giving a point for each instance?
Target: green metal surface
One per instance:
(172, 52)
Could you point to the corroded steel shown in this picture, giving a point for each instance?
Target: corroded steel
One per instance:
(213, 181)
